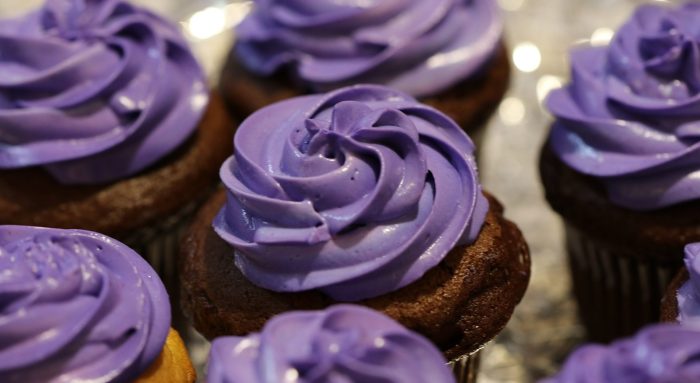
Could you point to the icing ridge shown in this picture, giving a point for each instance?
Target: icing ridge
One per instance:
(415, 46)
(629, 116)
(95, 91)
(357, 193)
(76, 306)
(341, 344)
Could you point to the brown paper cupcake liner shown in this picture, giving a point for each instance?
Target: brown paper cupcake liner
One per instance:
(466, 367)
(159, 245)
(617, 292)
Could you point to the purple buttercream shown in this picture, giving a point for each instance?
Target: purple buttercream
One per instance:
(357, 193)
(689, 294)
(657, 354)
(342, 344)
(95, 90)
(417, 46)
(76, 306)
(631, 115)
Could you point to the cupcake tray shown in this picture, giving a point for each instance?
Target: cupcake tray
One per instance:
(544, 328)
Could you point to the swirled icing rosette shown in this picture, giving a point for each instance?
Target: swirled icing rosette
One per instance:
(356, 193)
(631, 115)
(420, 47)
(659, 354)
(94, 90)
(341, 344)
(76, 306)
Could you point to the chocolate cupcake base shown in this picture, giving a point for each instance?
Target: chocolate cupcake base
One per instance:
(621, 260)
(148, 211)
(617, 293)
(470, 102)
(459, 305)
(669, 303)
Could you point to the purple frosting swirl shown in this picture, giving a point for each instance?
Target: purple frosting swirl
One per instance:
(94, 90)
(341, 344)
(631, 115)
(660, 354)
(689, 294)
(420, 47)
(357, 193)
(76, 306)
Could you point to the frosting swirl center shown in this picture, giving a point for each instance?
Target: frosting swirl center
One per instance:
(363, 189)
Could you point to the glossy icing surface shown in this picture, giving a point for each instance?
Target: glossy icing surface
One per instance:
(659, 354)
(76, 306)
(419, 47)
(357, 193)
(343, 344)
(630, 115)
(95, 91)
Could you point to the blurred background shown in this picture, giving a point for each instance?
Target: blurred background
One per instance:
(539, 34)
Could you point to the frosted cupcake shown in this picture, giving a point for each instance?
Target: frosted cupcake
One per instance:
(661, 353)
(449, 53)
(106, 124)
(621, 166)
(80, 306)
(343, 343)
(358, 195)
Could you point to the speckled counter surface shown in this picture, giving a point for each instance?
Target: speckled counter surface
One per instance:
(539, 33)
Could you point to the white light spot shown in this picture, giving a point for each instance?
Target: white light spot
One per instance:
(246, 344)
(527, 57)
(292, 375)
(127, 103)
(334, 348)
(207, 23)
(511, 111)
(602, 36)
(511, 5)
(47, 335)
(379, 342)
(547, 84)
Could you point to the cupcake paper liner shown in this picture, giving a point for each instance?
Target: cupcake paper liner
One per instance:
(617, 292)
(466, 367)
(159, 245)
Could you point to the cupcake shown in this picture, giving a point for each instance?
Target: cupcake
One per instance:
(79, 306)
(660, 354)
(359, 195)
(106, 124)
(343, 343)
(450, 54)
(620, 168)
(682, 300)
